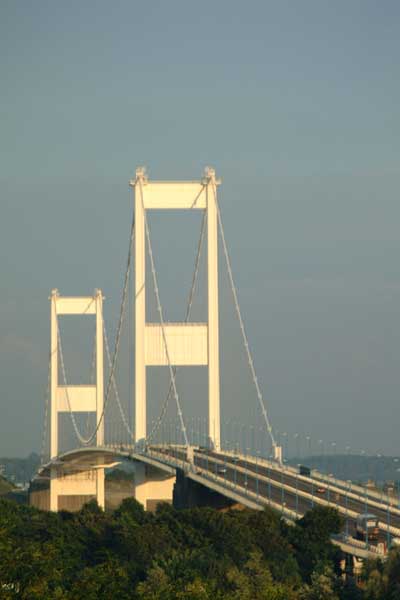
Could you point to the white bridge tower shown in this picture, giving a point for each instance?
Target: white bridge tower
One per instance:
(183, 344)
(75, 398)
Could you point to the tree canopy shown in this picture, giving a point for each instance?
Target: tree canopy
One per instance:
(191, 554)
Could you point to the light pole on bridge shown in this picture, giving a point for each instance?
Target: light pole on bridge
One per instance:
(257, 459)
(297, 489)
(296, 438)
(348, 490)
(308, 438)
(247, 466)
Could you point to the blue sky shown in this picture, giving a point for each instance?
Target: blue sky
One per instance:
(297, 107)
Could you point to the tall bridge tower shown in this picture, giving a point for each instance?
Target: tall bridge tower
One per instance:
(183, 344)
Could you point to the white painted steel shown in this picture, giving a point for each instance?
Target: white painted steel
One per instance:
(68, 305)
(173, 195)
(140, 319)
(53, 375)
(187, 344)
(214, 426)
(166, 345)
(77, 398)
(99, 371)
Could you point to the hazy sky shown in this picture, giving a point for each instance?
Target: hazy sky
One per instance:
(296, 105)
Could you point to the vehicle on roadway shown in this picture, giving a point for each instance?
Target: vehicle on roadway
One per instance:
(303, 470)
(367, 527)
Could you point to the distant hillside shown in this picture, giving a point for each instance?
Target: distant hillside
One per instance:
(20, 470)
(355, 467)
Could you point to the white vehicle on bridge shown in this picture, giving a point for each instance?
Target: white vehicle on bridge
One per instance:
(367, 527)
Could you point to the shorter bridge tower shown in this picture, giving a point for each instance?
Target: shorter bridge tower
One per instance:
(76, 398)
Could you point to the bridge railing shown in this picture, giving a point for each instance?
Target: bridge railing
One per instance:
(334, 484)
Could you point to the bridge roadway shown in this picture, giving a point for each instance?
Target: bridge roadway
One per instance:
(334, 495)
(283, 487)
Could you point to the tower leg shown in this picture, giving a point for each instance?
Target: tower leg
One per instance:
(100, 488)
(213, 317)
(140, 318)
(53, 375)
(53, 490)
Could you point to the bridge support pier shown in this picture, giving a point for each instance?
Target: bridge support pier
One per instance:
(152, 486)
(69, 491)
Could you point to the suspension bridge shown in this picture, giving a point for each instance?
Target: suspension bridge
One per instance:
(191, 462)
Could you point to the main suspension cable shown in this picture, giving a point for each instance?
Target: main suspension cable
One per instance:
(82, 440)
(164, 407)
(114, 384)
(139, 180)
(239, 316)
(46, 414)
(92, 376)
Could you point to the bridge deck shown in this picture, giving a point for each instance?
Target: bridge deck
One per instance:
(254, 483)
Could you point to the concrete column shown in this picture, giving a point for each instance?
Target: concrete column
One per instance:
(100, 488)
(99, 368)
(53, 490)
(152, 484)
(140, 483)
(213, 316)
(140, 313)
(53, 375)
(80, 483)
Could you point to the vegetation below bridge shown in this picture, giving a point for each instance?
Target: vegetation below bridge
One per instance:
(194, 554)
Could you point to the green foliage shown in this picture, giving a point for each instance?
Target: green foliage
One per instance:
(310, 538)
(194, 554)
(322, 586)
(382, 580)
(254, 582)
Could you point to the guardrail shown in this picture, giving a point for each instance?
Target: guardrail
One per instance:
(185, 465)
(342, 488)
